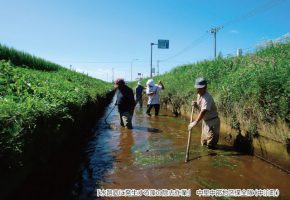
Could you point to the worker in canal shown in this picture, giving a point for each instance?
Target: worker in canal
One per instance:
(125, 102)
(207, 113)
(139, 94)
(152, 91)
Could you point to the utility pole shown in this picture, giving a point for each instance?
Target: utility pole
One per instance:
(158, 67)
(214, 31)
(113, 75)
(132, 65)
(151, 59)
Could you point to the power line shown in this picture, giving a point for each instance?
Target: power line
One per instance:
(188, 47)
(255, 11)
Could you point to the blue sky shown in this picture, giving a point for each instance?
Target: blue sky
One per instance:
(94, 36)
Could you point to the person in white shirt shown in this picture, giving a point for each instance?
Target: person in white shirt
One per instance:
(207, 113)
(153, 97)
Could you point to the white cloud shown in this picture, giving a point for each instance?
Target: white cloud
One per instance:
(104, 73)
(234, 31)
(265, 42)
(283, 39)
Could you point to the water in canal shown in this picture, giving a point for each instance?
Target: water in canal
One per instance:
(152, 156)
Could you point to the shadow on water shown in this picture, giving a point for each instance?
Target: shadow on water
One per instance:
(201, 156)
(220, 150)
(288, 145)
(147, 129)
(97, 161)
(244, 144)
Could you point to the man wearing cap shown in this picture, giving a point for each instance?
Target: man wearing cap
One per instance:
(125, 102)
(207, 113)
(138, 91)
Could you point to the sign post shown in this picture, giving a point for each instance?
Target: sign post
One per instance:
(162, 44)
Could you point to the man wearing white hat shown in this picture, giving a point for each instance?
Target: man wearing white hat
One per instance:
(207, 113)
(153, 97)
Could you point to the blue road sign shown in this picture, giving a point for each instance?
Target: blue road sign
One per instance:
(163, 44)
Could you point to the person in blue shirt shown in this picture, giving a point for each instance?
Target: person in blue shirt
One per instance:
(125, 102)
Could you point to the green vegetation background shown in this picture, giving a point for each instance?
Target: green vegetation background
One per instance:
(34, 91)
(252, 89)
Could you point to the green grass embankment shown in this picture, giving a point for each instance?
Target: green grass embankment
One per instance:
(252, 92)
(41, 106)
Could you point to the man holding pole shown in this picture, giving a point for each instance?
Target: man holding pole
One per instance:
(125, 102)
(207, 113)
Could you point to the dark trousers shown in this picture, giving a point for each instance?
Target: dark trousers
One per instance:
(140, 101)
(156, 107)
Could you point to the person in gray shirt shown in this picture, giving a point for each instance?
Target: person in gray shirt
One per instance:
(207, 113)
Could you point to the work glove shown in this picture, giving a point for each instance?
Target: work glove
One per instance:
(191, 125)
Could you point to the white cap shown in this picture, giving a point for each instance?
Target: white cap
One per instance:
(150, 82)
(200, 83)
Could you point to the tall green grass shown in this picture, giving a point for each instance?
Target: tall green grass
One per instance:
(23, 59)
(29, 99)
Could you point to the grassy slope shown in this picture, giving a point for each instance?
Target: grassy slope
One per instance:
(249, 90)
(38, 91)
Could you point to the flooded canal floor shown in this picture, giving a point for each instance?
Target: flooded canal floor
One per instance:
(151, 156)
